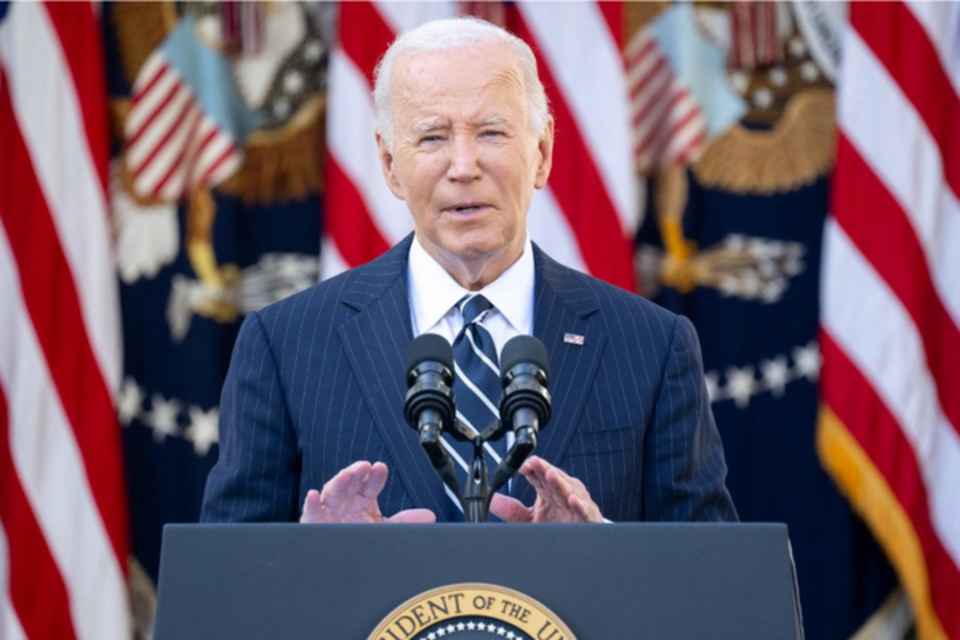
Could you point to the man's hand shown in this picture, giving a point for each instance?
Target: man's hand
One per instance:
(560, 498)
(351, 496)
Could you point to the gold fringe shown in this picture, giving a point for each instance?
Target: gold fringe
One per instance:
(140, 28)
(283, 164)
(873, 499)
(800, 148)
(143, 599)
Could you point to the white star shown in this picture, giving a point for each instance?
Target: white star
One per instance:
(740, 81)
(471, 626)
(511, 635)
(281, 108)
(481, 626)
(501, 631)
(809, 71)
(163, 417)
(441, 632)
(778, 76)
(311, 51)
(797, 47)
(203, 430)
(776, 374)
(431, 636)
(129, 401)
(808, 361)
(451, 628)
(763, 98)
(740, 385)
(292, 81)
(461, 626)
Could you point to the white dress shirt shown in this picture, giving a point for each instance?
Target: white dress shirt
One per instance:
(433, 293)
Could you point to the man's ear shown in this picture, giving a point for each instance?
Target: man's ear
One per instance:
(388, 167)
(545, 149)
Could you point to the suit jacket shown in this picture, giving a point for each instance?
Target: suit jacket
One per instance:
(317, 382)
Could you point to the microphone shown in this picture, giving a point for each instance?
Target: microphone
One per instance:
(429, 405)
(525, 403)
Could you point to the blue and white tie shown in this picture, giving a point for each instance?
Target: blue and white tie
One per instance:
(477, 383)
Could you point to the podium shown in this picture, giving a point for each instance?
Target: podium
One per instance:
(599, 581)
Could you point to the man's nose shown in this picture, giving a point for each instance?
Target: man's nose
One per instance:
(464, 161)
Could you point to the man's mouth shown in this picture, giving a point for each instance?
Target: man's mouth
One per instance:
(466, 208)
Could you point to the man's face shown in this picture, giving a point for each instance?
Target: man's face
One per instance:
(464, 157)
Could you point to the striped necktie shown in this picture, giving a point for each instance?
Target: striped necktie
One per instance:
(477, 382)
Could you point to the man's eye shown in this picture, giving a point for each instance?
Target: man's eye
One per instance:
(430, 138)
(492, 133)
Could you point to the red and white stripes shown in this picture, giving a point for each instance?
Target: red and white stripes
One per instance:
(62, 508)
(173, 146)
(668, 125)
(586, 215)
(754, 38)
(891, 292)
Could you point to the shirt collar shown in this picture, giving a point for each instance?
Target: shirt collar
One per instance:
(433, 291)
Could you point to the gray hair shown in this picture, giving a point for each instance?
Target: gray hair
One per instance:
(456, 33)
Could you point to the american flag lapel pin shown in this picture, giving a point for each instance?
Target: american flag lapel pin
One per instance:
(573, 338)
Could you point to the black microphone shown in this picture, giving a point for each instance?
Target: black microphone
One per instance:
(525, 403)
(429, 406)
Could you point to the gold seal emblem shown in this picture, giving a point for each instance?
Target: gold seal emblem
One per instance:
(472, 610)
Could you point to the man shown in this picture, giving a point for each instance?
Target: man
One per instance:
(316, 387)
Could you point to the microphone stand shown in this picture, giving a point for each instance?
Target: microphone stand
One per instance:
(476, 497)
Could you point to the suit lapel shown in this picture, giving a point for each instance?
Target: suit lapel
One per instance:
(562, 306)
(375, 341)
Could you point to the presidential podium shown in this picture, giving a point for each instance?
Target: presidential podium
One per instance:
(463, 581)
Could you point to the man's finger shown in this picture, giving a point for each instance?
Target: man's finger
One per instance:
(311, 507)
(413, 516)
(345, 484)
(373, 481)
(509, 509)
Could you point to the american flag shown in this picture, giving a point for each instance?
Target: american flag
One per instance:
(668, 125)
(890, 318)
(678, 91)
(63, 540)
(185, 126)
(588, 213)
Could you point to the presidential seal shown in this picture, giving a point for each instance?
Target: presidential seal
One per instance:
(472, 611)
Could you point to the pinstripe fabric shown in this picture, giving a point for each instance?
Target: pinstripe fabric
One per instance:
(316, 382)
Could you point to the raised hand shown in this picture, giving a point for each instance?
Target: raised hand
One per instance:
(560, 497)
(351, 496)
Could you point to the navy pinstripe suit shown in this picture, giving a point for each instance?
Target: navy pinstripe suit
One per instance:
(317, 382)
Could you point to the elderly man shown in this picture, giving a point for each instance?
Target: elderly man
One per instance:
(315, 393)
